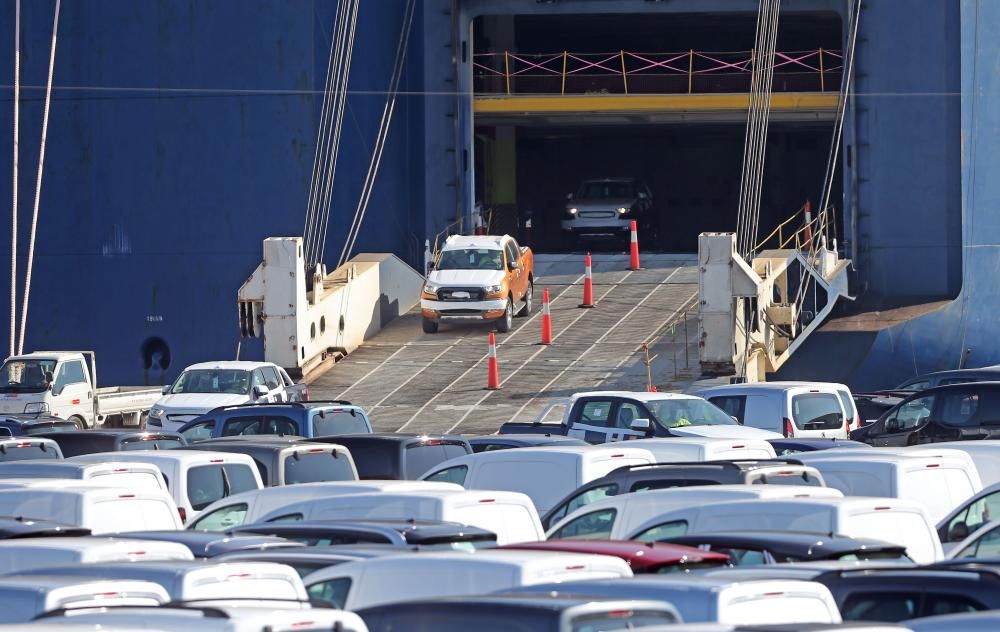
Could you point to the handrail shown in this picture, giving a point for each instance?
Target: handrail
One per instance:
(778, 230)
(818, 226)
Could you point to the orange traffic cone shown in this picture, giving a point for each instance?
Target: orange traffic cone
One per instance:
(588, 284)
(634, 246)
(546, 319)
(493, 379)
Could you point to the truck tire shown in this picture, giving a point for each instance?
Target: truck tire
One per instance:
(507, 320)
(81, 423)
(529, 295)
(430, 326)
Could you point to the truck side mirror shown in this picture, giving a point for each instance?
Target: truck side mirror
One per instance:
(260, 390)
(640, 425)
(165, 390)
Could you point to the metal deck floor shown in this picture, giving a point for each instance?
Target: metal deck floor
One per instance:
(415, 382)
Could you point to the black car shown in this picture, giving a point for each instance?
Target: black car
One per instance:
(425, 534)
(792, 445)
(398, 456)
(945, 413)
(287, 460)
(93, 441)
(894, 595)
(489, 443)
(12, 528)
(638, 478)
(775, 547)
(206, 544)
(29, 424)
(309, 559)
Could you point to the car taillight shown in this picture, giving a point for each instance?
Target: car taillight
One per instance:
(787, 429)
(432, 442)
(183, 514)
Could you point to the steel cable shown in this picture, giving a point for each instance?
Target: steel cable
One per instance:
(13, 219)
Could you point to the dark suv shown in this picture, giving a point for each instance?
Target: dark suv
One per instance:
(946, 413)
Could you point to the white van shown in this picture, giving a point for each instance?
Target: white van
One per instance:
(902, 522)
(691, 449)
(377, 581)
(546, 475)
(96, 507)
(26, 596)
(249, 507)
(510, 515)
(217, 619)
(985, 454)
(28, 555)
(717, 599)
(198, 581)
(196, 478)
(613, 517)
(110, 473)
(795, 409)
(941, 483)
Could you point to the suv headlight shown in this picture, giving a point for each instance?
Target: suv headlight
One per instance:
(572, 211)
(622, 210)
(156, 411)
(37, 407)
(430, 288)
(492, 289)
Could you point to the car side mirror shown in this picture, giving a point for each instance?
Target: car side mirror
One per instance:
(640, 425)
(569, 196)
(958, 532)
(260, 390)
(165, 390)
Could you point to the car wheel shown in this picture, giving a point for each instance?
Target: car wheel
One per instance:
(430, 326)
(507, 320)
(81, 424)
(528, 300)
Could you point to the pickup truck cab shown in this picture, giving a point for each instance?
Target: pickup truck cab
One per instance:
(603, 416)
(61, 383)
(210, 385)
(477, 278)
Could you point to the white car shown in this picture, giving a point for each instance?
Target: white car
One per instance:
(210, 385)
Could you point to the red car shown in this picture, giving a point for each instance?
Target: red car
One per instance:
(643, 557)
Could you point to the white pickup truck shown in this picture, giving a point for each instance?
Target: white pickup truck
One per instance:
(63, 383)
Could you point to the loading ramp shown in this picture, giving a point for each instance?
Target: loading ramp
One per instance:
(415, 382)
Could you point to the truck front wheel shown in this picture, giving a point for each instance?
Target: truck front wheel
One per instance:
(430, 326)
(507, 320)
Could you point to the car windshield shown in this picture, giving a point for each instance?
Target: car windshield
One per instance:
(232, 381)
(688, 411)
(471, 259)
(599, 189)
(26, 376)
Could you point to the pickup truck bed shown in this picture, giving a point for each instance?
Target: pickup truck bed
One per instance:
(113, 400)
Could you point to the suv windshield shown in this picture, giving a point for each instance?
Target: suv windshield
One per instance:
(232, 381)
(471, 259)
(688, 411)
(25, 376)
(598, 189)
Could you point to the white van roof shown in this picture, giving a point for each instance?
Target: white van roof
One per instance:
(164, 457)
(690, 447)
(28, 554)
(240, 618)
(412, 504)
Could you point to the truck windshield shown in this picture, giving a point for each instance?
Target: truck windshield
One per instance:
(25, 376)
(606, 190)
(471, 259)
(674, 413)
(213, 381)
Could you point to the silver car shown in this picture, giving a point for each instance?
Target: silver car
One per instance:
(606, 208)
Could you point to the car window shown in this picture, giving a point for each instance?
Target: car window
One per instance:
(239, 478)
(421, 457)
(595, 525)
(292, 517)
(688, 411)
(73, 373)
(666, 483)
(974, 516)
(663, 531)
(959, 380)
(259, 425)
(733, 405)
(331, 593)
(450, 475)
(784, 478)
(817, 411)
(18, 450)
(306, 466)
(988, 413)
(471, 259)
(988, 545)
(848, 402)
(149, 444)
(375, 459)
(916, 385)
(742, 557)
(271, 378)
(338, 422)
(626, 414)
(582, 499)
(888, 607)
(911, 414)
(205, 485)
(958, 407)
(935, 604)
(596, 412)
(222, 519)
(199, 432)
(512, 253)
(257, 378)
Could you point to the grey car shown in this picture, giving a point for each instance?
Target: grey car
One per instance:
(605, 208)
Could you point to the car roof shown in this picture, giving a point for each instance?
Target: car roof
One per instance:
(642, 396)
(399, 437)
(180, 455)
(772, 386)
(492, 242)
(787, 540)
(230, 364)
(526, 439)
(19, 527)
(112, 434)
(638, 554)
(416, 530)
(526, 601)
(335, 554)
(817, 444)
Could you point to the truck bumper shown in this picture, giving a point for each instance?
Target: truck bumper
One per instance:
(601, 227)
(463, 310)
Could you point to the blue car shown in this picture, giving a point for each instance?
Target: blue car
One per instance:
(296, 419)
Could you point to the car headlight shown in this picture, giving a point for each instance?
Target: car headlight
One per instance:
(622, 210)
(37, 407)
(430, 288)
(157, 411)
(572, 211)
(492, 289)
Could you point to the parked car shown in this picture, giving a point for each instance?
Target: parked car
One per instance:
(871, 406)
(397, 455)
(205, 544)
(985, 455)
(539, 613)
(93, 441)
(489, 443)
(479, 278)
(27, 596)
(613, 517)
(61, 383)
(110, 473)
(30, 555)
(510, 515)
(209, 385)
(969, 516)
(210, 618)
(28, 425)
(28, 448)
(642, 557)
(427, 534)
(795, 409)
(196, 478)
(981, 621)
(779, 547)
(603, 416)
(21, 528)
(897, 521)
(791, 446)
(250, 507)
(898, 594)
(605, 208)
(945, 378)
(641, 478)
(944, 413)
(282, 461)
(981, 544)
(544, 474)
(382, 580)
(714, 599)
(300, 419)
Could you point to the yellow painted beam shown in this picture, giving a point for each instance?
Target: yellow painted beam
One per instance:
(787, 101)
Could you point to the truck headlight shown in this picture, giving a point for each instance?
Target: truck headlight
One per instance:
(430, 288)
(572, 211)
(492, 289)
(36, 407)
(622, 210)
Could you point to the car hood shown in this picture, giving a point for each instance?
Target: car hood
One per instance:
(725, 432)
(471, 278)
(587, 203)
(203, 402)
